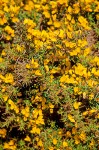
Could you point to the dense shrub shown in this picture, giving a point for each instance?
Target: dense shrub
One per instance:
(49, 74)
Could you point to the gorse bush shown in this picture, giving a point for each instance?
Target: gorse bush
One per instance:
(49, 75)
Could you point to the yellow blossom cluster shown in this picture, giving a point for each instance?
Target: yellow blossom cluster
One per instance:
(8, 78)
(10, 145)
(3, 132)
(13, 106)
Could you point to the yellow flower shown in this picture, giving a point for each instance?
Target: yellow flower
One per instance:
(30, 23)
(35, 64)
(16, 109)
(70, 9)
(57, 24)
(51, 148)
(61, 35)
(68, 17)
(73, 21)
(39, 143)
(51, 105)
(6, 146)
(83, 22)
(5, 97)
(85, 113)
(64, 78)
(10, 101)
(53, 4)
(82, 136)
(54, 141)
(8, 37)
(46, 68)
(11, 142)
(87, 51)
(9, 30)
(3, 132)
(47, 14)
(55, 70)
(50, 22)
(35, 130)
(25, 118)
(97, 16)
(28, 66)
(76, 105)
(23, 111)
(29, 6)
(69, 34)
(3, 89)
(29, 36)
(20, 48)
(51, 110)
(70, 117)
(9, 78)
(37, 72)
(91, 96)
(74, 131)
(11, 145)
(68, 134)
(92, 143)
(82, 43)
(65, 144)
(76, 138)
(54, 17)
(75, 52)
(15, 19)
(1, 59)
(3, 20)
(84, 95)
(76, 89)
(28, 139)
(92, 111)
(3, 53)
(13, 106)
